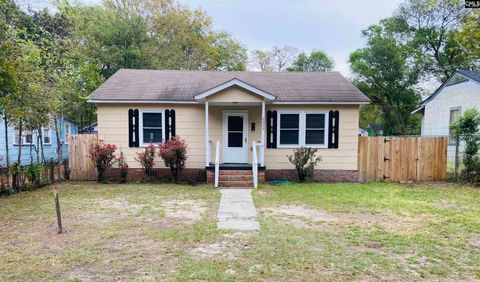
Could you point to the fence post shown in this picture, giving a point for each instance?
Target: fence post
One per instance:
(457, 142)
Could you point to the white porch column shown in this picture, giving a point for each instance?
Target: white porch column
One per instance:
(207, 137)
(262, 148)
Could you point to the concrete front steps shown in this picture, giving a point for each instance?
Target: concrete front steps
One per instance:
(237, 178)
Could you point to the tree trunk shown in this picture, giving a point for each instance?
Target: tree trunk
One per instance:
(7, 150)
(59, 146)
(20, 132)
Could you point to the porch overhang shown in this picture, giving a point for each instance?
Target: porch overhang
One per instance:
(202, 97)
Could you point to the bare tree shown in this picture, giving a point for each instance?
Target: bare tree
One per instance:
(282, 57)
(262, 59)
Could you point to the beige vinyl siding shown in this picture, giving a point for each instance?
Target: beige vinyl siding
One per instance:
(343, 158)
(234, 94)
(190, 124)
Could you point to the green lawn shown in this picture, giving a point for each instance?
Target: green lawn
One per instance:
(309, 231)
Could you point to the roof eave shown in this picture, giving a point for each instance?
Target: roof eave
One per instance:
(234, 82)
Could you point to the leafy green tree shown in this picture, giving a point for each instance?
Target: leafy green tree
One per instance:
(431, 27)
(468, 38)
(385, 73)
(231, 55)
(316, 61)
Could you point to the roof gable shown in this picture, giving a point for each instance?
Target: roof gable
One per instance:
(232, 83)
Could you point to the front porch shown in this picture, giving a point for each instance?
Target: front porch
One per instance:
(235, 133)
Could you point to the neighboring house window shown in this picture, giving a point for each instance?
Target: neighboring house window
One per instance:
(68, 130)
(151, 125)
(302, 129)
(47, 135)
(26, 138)
(454, 116)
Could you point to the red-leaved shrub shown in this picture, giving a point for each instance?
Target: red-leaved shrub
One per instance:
(146, 158)
(123, 166)
(174, 154)
(102, 156)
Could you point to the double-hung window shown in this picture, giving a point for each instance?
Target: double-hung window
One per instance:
(46, 135)
(297, 129)
(26, 138)
(151, 127)
(289, 129)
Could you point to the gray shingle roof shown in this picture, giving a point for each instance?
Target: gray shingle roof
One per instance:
(475, 75)
(151, 85)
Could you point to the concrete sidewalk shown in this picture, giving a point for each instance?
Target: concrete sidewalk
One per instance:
(237, 210)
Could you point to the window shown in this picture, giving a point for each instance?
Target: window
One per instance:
(151, 126)
(315, 129)
(454, 116)
(46, 135)
(68, 129)
(26, 138)
(289, 129)
(302, 129)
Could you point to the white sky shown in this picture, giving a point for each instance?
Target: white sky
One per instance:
(331, 25)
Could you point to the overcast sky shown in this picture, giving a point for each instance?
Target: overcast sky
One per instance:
(331, 25)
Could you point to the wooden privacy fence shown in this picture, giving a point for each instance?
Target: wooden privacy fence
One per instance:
(81, 167)
(402, 159)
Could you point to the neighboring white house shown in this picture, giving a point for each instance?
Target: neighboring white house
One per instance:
(459, 93)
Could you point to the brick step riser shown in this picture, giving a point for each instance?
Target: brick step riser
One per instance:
(235, 177)
(247, 184)
(236, 172)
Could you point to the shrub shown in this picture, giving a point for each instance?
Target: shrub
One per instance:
(102, 156)
(146, 158)
(304, 161)
(123, 166)
(466, 128)
(174, 154)
(32, 172)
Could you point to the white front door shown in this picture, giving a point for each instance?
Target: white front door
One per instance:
(235, 133)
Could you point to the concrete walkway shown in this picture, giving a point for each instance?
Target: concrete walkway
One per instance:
(237, 211)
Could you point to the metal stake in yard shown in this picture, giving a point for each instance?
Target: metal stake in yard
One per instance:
(57, 208)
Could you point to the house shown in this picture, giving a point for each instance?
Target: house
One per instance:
(31, 143)
(277, 111)
(459, 93)
(90, 129)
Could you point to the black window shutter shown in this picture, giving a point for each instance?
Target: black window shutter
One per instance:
(337, 129)
(269, 129)
(274, 129)
(330, 129)
(333, 129)
(136, 128)
(167, 124)
(130, 129)
(172, 123)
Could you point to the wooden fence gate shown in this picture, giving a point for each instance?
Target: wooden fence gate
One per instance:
(402, 159)
(81, 167)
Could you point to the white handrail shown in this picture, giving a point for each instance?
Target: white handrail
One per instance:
(217, 162)
(254, 164)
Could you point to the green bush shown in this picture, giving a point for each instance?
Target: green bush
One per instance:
(304, 161)
(466, 128)
(32, 172)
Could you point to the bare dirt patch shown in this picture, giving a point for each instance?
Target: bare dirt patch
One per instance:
(186, 210)
(307, 217)
(230, 247)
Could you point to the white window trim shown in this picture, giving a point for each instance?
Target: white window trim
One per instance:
(302, 130)
(140, 132)
(50, 136)
(23, 138)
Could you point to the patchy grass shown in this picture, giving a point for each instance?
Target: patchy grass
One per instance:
(309, 232)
